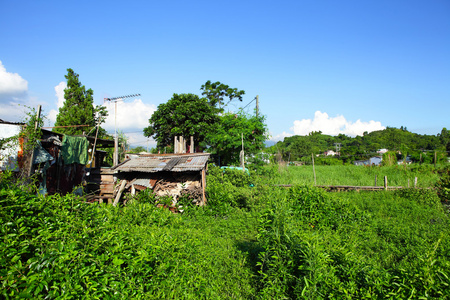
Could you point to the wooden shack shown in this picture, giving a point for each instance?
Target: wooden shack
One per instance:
(171, 175)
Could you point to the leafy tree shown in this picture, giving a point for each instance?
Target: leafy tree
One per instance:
(183, 115)
(138, 149)
(444, 137)
(216, 92)
(226, 139)
(78, 108)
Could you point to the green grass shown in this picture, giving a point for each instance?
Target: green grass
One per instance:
(356, 175)
(252, 241)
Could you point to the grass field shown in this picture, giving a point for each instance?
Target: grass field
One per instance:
(252, 241)
(357, 175)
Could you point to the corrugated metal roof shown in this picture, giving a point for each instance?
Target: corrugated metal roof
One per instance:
(11, 123)
(140, 181)
(174, 163)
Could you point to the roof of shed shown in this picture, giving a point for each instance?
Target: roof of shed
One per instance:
(11, 123)
(157, 163)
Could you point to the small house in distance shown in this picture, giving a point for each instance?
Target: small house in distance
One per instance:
(329, 153)
(373, 161)
(174, 175)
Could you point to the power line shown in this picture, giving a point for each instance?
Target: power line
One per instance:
(249, 103)
(66, 126)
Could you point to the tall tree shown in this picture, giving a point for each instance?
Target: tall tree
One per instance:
(183, 115)
(78, 108)
(226, 138)
(215, 92)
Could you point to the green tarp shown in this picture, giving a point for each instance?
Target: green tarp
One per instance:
(75, 150)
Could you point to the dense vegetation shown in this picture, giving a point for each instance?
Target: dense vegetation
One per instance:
(420, 147)
(222, 134)
(78, 109)
(252, 241)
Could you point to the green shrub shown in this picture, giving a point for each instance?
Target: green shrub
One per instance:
(422, 196)
(443, 184)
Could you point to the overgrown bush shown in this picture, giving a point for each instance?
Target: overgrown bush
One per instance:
(389, 158)
(443, 184)
(228, 188)
(421, 196)
(260, 242)
(374, 245)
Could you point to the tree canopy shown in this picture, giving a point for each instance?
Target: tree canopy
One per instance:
(189, 115)
(78, 108)
(226, 138)
(183, 115)
(215, 92)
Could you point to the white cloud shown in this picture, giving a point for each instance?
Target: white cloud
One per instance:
(138, 139)
(334, 126)
(130, 115)
(11, 84)
(280, 137)
(13, 93)
(59, 93)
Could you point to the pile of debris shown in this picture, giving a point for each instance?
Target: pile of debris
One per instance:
(168, 175)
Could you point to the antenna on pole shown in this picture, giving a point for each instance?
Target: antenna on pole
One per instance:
(116, 139)
(338, 148)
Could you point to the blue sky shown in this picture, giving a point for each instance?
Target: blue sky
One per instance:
(336, 66)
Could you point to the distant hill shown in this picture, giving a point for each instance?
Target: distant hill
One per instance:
(363, 147)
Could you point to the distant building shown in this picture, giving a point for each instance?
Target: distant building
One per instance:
(382, 151)
(407, 161)
(329, 153)
(373, 161)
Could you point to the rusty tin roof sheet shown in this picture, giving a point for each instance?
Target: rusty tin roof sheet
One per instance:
(158, 163)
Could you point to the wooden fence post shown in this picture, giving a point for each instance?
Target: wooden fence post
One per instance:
(385, 183)
(314, 169)
(415, 182)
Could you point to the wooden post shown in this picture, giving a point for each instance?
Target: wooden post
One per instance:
(203, 186)
(385, 183)
(435, 158)
(122, 187)
(314, 169)
(36, 124)
(182, 145)
(242, 154)
(175, 140)
(191, 148)
(116, 151)
(257, 105)
(415, 182)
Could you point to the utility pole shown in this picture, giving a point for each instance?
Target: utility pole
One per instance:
(116, 137)
(36, 125)
(257, 105)
(338, 148)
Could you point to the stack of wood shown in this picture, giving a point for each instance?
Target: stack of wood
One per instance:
(173, 186)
